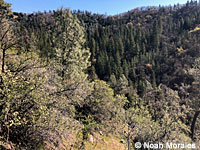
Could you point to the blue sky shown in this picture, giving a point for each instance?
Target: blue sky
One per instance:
(109, 7)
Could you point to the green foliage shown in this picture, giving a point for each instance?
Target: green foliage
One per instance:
(112, 81)
(141, 123)
(46, 96)
(99, 99)
(22, 105)
(7, 38)
(164, 107)
(194, 99)
(69, 42)
(122, 84)
(5, 9)
(195, 71)
(138, 124)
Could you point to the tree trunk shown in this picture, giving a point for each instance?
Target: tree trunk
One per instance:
(3, 61)
(193, 123)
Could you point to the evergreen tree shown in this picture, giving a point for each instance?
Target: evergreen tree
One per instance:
(72, 56)
(120, 47)
(156, 35)
(112, 81)
(122, 84)
(125, 69)
(93, 75)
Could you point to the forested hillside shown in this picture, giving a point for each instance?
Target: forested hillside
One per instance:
(76, 80)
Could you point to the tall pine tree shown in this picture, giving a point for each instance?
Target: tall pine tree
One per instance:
(69, 41)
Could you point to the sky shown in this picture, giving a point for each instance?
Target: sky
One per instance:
(108, 7)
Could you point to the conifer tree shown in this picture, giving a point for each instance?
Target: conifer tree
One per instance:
(125, 68)
(112, 81)
(122, 84)
(156, 35)
(72, 56)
